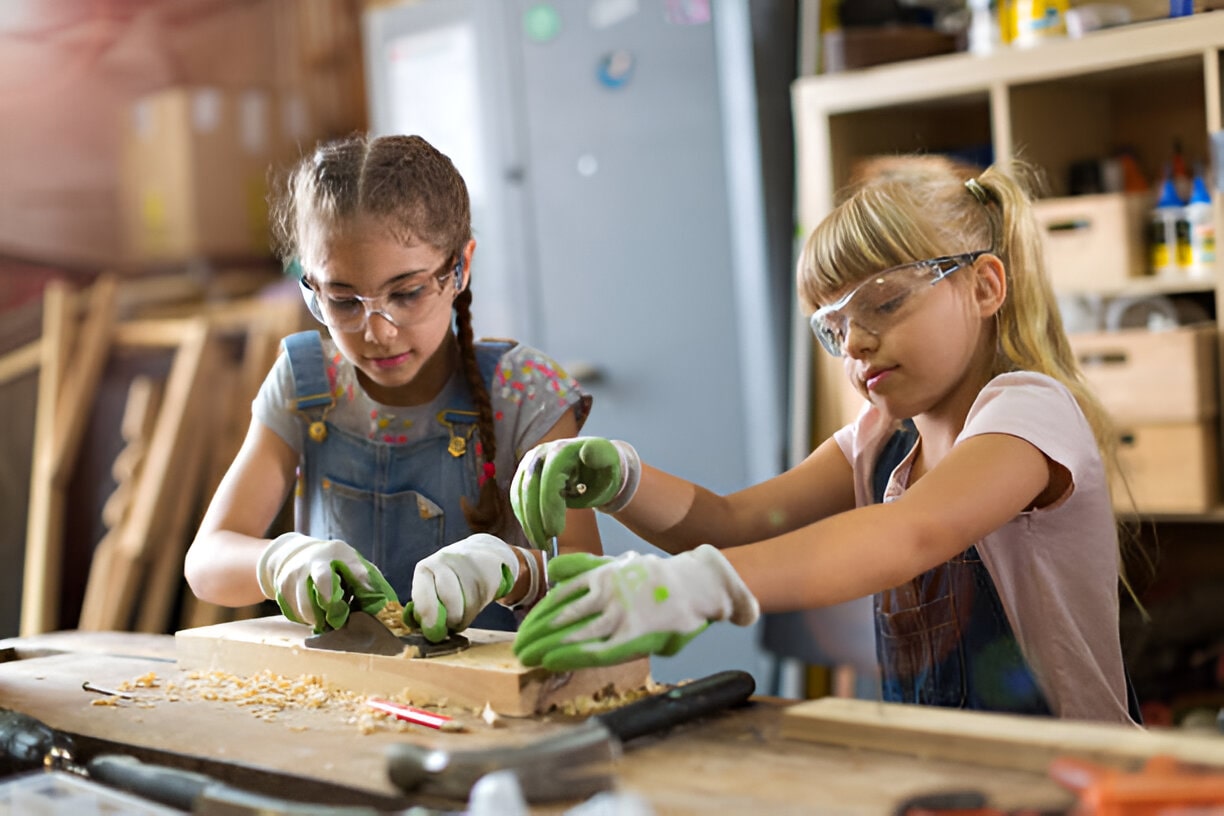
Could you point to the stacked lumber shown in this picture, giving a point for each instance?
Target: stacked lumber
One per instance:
(179, 436)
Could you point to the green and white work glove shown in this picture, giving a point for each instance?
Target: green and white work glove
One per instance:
(450, 587)
(583, 472)
(608, 610)
(316, 582)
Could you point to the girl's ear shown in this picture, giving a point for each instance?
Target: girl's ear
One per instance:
(990, 284)
(465, 264)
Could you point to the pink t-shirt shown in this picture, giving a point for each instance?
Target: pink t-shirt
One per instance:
(1056, 568)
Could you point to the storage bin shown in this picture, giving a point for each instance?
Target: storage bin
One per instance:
(1094, 241)
(1170, 468)
(1147, 376)
(194, 167)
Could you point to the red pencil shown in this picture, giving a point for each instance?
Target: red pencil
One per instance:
(420, 716)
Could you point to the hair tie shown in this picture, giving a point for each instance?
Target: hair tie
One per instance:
(979, 192)
(488, 471)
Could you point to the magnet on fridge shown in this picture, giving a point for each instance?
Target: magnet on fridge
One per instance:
(686, 12)
(541, 22)
(615, 68)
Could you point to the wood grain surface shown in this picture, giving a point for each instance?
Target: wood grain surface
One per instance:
(485, 673)
(736, 762)
(998, 740)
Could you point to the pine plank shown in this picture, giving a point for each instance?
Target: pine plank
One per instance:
(999, 740)
(487, 672)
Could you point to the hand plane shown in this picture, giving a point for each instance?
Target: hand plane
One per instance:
(364, 633)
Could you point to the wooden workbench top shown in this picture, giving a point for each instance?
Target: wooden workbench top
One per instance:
(735, 762)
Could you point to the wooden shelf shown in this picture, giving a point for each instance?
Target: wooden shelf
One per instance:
(1139, 47)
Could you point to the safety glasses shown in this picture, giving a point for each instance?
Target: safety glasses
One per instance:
(884, 299)
(409, 301)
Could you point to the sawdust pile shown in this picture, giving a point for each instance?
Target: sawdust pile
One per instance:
(273, 697)
(267, 696)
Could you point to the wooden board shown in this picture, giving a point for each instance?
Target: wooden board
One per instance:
(998, 740)
(487, 672)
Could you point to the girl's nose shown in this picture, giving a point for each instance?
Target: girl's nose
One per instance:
(379, 328)
(859, 341)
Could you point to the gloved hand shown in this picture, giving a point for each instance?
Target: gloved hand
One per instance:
(610, 610)
(450, 587)
(315, 582)
(585, 472)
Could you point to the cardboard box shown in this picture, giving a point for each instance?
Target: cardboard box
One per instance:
(1147, 376)
(1094, 241)
(193, 174)
(1170, 468)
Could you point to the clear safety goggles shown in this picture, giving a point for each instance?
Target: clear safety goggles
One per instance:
(883, 299)
(409, 301)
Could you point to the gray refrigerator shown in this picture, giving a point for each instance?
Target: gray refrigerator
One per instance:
(631, 170)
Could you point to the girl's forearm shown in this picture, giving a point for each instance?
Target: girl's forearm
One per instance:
(676, 515)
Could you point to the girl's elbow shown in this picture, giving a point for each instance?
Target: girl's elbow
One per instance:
(200, 573)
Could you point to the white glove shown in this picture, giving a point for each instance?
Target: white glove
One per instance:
(450, 587)
(583, 472)
(609, 610)
(315, 582)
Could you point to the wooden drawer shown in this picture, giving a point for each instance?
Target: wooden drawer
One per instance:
(1171, 468)
(1094, 241)
(1152, 376)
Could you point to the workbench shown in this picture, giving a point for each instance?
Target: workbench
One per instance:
(735, 762)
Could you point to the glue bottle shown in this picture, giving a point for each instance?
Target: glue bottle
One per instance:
(1162, 230)
(1196, 233)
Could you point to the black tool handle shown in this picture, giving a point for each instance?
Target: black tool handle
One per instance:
(169, 786)
(26, 743)
(679, 705)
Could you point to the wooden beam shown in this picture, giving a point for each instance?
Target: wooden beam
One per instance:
(164, 578)
(487, 672)
(136, 426)
(1000, 740)
(44, 520)
(20, 361)
(78, 390)
(152, 500)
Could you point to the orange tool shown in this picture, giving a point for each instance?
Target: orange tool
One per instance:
(1164, 787)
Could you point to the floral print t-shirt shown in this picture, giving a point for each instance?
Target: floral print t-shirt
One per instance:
(530, 392)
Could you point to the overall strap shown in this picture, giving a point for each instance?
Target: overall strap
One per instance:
(893, 453)
(488, 355)
(305, 350)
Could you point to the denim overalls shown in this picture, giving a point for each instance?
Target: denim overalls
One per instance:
(943, 638)
(395, 504)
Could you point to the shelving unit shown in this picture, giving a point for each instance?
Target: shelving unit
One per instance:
(1141, 87)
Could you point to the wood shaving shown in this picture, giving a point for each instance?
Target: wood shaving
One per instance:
(491, 717)
(392, 616)
(268, 695)
(606, 699)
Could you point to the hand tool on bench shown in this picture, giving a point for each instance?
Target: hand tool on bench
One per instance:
(1163, 785)
(576, 763)
(29, 745)
(966, 802)
(366, 634)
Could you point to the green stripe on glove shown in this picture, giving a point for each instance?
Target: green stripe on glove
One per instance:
(608, 610)
(450, 587)
(584, 472)
(316, 582)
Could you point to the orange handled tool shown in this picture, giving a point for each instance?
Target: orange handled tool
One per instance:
(1164, 787)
